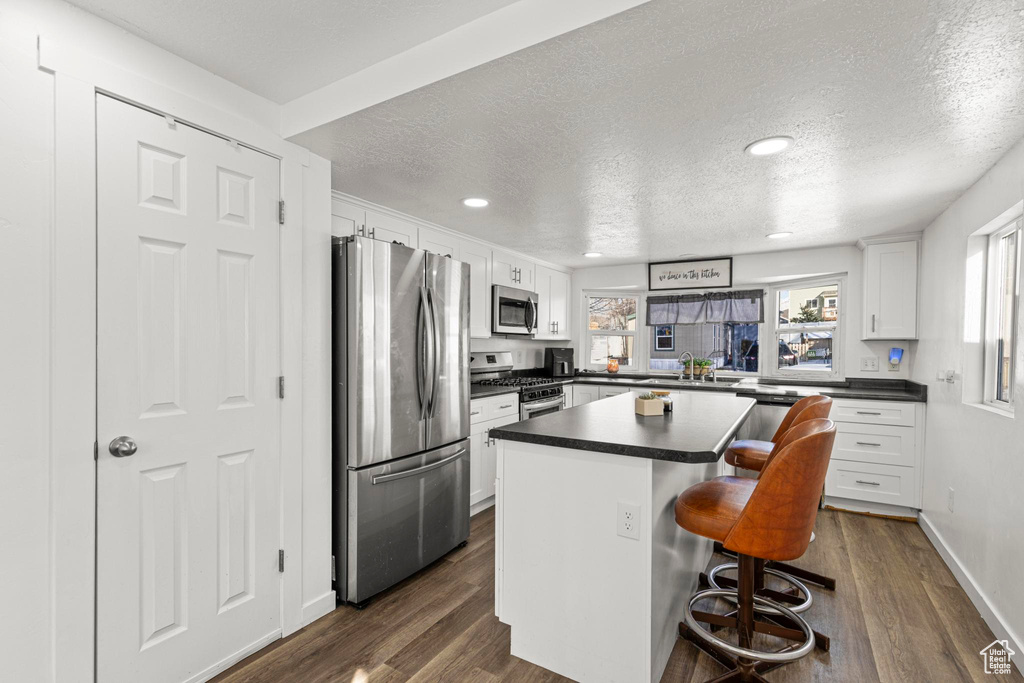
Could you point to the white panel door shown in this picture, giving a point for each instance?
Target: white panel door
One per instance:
(188, 527)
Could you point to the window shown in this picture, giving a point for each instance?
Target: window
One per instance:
(731, 346)
(611, 330)
(1002, 295)
(806, 334)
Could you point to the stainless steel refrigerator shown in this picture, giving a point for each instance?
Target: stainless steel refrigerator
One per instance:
(401, 412)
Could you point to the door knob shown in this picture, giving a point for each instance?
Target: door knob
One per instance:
(122, 447)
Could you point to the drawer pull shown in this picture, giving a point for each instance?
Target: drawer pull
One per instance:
(508, 405)
(475, 412)
(868, 443)
(866, 412)
(869, 483)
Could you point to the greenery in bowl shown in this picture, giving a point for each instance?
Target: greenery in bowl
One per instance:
(700, 362)
(647, 397)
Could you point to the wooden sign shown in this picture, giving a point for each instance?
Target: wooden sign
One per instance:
(693, 274)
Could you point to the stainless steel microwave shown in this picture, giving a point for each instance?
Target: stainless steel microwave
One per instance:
(513, 311)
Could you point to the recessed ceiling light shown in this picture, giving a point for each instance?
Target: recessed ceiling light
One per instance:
(592, 254)
(772, 145)
(475, 202)
(779, 235)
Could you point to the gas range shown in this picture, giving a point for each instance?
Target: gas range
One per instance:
(537, 395)
(530, 388)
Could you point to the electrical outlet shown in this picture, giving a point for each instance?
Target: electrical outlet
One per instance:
(520, 357)
(949, 499)
(869, 363)
(628, 524)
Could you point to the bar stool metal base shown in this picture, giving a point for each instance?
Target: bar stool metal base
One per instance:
(826, 582)
(790, 597)
(745, 663)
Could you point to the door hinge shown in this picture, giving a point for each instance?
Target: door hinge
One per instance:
(280, 560)
(280, 386)
(280, 212)
(95, 450)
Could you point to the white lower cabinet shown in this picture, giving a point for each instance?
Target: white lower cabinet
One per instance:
(607, 392)
(567, 399)
(486, 414)
(584, 393)
(877, 456)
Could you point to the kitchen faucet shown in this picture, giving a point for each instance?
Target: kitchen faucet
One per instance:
(683, 355)
(711, 357)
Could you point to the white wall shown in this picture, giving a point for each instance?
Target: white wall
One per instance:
(977, 453)
(32, 642)
(759, 270)
(526, 353)
(26, 221)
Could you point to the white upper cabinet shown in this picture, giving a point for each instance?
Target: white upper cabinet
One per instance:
(346, 219)
(478, 256)
(552, 304)
(511, 271)
(890, 289)
(443, 243)
(386, 228)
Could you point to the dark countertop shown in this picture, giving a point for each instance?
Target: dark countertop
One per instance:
(864, 389)
(697, 430)
(764, 390)
(483, 391)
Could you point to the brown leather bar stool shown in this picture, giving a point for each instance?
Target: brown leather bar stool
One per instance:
(751, 455)
(768, 519)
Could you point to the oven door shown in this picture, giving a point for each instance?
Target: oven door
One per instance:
(543, 407)
(514, 311)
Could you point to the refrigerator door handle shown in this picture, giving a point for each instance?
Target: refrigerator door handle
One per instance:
(426, 353)
(435, 340)
(385, 478)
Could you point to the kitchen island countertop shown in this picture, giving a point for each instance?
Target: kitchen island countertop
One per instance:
(697, 430)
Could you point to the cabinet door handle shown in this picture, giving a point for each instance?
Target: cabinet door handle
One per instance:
(866, 412)
(866, 443)
(505, 406)
(872, 322)
(869, 483)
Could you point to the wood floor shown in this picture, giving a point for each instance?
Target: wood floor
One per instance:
(898, 615)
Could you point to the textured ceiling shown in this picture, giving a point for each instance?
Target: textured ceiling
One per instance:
(626, 136)
(282, 50)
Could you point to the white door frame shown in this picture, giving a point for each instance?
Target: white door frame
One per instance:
(78, 77)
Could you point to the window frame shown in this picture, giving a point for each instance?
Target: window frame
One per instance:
(639, 339)
(994, 283)
(772, 369)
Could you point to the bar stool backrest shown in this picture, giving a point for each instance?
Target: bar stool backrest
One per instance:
(807, 408)
(777, 521)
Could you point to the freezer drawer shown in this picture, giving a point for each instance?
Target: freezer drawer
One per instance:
(405, 514)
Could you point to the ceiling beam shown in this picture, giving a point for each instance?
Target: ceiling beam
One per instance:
(502, 32)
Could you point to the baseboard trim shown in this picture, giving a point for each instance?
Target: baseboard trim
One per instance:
(871, 508)
(481, 506)
(229, 661)
(318, 607)
(988, 612)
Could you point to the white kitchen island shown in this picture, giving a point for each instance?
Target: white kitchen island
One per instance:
(591, 592)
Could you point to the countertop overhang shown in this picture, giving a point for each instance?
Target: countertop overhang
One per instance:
(698, 430)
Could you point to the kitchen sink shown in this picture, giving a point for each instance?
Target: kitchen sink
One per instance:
(671, 381)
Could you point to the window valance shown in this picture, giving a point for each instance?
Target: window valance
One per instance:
(739, 306)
